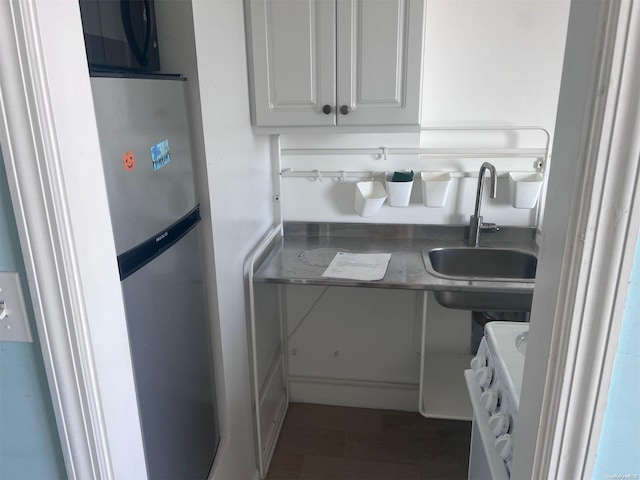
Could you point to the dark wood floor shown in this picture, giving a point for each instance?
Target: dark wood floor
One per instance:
(321, 442)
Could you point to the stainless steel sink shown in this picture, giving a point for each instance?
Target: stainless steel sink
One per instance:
(482, 264)
(496, 264)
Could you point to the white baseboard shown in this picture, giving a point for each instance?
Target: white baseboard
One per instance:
(327, 391)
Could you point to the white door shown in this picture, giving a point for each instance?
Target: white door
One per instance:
(293, 49)
(379, 61)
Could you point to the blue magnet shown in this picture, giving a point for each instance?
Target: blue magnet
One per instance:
(160, 155)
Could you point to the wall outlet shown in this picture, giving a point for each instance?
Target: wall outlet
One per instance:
(14, 322)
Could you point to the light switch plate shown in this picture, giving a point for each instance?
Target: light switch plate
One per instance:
(14, 327)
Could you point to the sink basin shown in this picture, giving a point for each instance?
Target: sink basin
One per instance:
(495, 264)
(482, 264)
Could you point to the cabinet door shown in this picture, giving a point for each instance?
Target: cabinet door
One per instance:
(379, 61)
(293, 50)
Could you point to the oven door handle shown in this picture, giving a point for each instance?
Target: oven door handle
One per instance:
(481, 420)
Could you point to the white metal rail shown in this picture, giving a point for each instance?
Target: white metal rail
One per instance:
(539, 156)
(345, 174)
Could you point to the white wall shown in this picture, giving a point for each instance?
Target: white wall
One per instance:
(238, 177)
(493, 62)
(349, 336)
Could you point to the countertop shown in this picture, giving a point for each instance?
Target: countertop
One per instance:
(306, 249)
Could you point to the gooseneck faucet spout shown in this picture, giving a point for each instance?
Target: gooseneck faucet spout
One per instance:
(475, 221)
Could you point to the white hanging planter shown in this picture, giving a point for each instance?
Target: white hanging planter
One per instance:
(435, 188)
(399, 191)
(369, 198)
(524, 189)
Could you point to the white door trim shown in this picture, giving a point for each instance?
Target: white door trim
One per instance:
(601, 243)
(33, 161)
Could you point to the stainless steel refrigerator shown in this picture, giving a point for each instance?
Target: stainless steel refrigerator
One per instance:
(144, 138)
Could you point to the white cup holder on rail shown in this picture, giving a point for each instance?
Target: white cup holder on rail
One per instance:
(435, 188)
(369, 198)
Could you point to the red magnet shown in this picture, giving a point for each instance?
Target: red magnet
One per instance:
(129, 161)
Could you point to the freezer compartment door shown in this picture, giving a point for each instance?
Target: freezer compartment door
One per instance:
(146, 154)
(170, 345)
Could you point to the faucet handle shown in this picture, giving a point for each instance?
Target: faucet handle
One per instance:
(489, 227)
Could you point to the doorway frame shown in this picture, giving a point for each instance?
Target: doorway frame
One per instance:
(600, 247)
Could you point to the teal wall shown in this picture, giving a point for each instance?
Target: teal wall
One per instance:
(29, 445)
(619, 450)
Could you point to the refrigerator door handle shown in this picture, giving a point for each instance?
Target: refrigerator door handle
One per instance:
(137, 257)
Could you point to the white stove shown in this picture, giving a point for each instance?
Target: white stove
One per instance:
(494, 383)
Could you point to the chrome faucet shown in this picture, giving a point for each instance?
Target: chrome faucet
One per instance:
(475, 221)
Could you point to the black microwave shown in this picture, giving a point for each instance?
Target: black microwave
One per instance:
(120, 35)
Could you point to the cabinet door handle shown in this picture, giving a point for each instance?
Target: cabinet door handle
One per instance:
(344, 109)
(327, 109)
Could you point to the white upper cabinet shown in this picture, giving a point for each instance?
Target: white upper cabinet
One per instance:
(379, 61)
(293, 47)
(323, 63)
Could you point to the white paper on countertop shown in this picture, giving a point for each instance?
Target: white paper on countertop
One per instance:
(358, 266)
